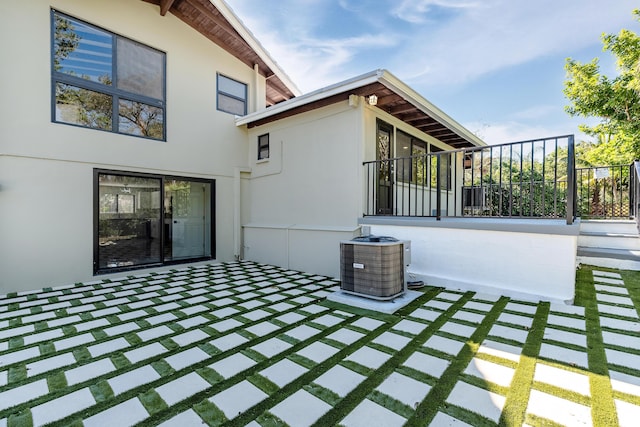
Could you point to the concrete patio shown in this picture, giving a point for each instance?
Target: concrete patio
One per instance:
(251, 344)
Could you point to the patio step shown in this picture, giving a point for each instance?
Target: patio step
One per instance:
(609, 243)
(608, 225)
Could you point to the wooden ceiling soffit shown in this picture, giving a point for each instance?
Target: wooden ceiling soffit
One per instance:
(427, 124)
(402, 108)
(442, 132)
(454, 140)
(412, 117)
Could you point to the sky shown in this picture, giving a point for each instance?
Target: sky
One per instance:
(495, 66)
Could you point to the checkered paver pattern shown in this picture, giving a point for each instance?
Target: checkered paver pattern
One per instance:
(250, 344)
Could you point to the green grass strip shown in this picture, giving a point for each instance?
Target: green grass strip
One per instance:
(603, 409)
(20, 419)
(517, 398)
(152, 401)
(632, 283)
(209, 413)
(435, 400)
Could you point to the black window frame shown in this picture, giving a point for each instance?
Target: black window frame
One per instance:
(244, 100)
(112, 90)
(162, 178)
(262, 145)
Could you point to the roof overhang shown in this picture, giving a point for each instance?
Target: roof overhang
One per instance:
(215, 20)
(394, 97)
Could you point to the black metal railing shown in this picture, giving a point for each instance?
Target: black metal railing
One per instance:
(605, 192)
(528, 179)
(634, 192)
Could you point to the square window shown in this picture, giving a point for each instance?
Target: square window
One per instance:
(232, 96)
(263, 147)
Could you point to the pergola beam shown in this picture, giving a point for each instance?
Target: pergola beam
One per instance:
(165, 5)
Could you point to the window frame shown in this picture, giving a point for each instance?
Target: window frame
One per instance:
(261, 145)
(116, 94)
(97, 270)
(219, 92)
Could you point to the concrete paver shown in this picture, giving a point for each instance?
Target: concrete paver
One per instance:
(95, 331)
(300, 409)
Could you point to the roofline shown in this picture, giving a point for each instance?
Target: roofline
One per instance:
(310, 97)
(395, 84)
(377, 76)
(253, 42)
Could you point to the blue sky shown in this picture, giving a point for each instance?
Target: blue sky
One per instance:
(495, 66)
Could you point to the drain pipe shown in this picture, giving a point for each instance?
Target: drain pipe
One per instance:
(237, 213)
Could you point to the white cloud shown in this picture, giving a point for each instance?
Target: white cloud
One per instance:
(537, 112)
(477, 38)
(418, 11)
(515, 131)
(505, 33)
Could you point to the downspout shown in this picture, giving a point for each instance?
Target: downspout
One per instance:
(237, 211)
(256, 91)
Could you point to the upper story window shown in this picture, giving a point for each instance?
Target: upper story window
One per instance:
(232, 96)
(104, 81)
(263, 147)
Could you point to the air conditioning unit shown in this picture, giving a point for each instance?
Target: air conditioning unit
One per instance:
(374, 267)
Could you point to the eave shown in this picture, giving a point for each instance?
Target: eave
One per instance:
(217, 22)
(394, 97)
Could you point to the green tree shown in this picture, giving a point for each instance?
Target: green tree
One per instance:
(615, 101)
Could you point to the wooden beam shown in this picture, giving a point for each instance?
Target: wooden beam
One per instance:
(165, 5)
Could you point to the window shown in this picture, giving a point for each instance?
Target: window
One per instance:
(105, 81)
(232, 96)
(411, 163)
(445, 167)
(142, 220)
(263, 147)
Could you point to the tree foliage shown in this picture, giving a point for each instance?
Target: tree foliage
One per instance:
(615, 101)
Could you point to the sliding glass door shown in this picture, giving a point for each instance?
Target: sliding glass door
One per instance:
(142, 220)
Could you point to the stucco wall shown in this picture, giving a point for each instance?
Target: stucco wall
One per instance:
(46, 169)
(530, 259)
(306, 197)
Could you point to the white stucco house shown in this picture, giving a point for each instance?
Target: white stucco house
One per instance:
(138, 135)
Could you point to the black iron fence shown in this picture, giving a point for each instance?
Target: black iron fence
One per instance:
(528, 179)
(634, 191)
(605, 192)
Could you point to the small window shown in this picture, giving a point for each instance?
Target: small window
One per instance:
(104, 81)
(232, 96)
(263, 147)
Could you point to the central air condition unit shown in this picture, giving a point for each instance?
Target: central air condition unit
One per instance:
(374, 267)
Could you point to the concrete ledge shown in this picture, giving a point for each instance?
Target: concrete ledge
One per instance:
(511, 225)
(492, 258)
(387, 307)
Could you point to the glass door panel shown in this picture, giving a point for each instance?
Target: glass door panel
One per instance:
(187, 219)
(129, 220)
(384, 142)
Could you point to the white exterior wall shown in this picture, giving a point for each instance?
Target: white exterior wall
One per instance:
(521, 264)
(46, 169)
(307, 196)
(310, 193)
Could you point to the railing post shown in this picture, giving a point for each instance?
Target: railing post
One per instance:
(632, 189)
(438, 190)
(571, 181)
